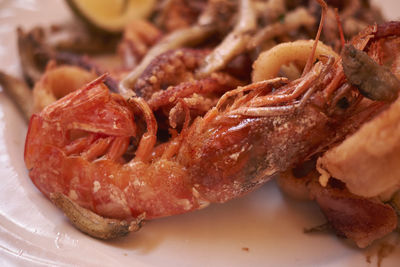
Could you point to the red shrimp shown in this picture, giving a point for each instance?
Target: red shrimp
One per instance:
(78, 145)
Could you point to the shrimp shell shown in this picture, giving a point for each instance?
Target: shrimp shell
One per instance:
(76, 146)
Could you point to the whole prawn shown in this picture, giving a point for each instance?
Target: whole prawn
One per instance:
(78, 145)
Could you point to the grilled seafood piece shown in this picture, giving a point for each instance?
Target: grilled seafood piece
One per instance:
(234, 43)
(363, 220)
(138, 37)
(36, 51)
(208, 23)
(77, 145)
(374, 148)
(360, 219)
(368, 161)
(168, 69)
(58, 81)
(177, 14)
(365, 163)
(19, 92)
(170, 77)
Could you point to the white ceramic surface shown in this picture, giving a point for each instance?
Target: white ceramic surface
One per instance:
(34, 233)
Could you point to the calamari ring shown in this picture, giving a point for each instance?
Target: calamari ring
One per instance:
(269, 62)
(57, 82)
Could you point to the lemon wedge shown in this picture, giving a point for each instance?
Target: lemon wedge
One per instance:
(111, 15)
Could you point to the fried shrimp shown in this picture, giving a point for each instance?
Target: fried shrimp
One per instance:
(192, 127)
(253, 133)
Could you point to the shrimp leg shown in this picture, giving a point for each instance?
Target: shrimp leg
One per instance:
(261, 106)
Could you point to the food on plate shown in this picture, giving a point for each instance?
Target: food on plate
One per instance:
(58, 81)
(269, 63)
(372, 153)
(62, 44)
(19, 92)
(357, 218)
(205, 109)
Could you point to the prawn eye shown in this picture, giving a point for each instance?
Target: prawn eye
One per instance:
(343, 103)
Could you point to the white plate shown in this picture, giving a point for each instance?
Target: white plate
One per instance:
(261, 229)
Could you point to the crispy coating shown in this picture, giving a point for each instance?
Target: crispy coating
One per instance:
(170, 68)
(368, 161)
(57, 82)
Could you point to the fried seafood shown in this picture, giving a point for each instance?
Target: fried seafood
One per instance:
(178, 14)
(367, 162)
(373, 150)
(234, 43)
(360, 219)
(270, 11)
(207, 23)
(36, 52)
(196, 104)
(168, 69)
(174, 40)
(217, 83)
(253, 133)
(170, 77)
(180, 136)
(138, 37)
(300, 17)
(270, 62)
(19, 92)
(57, 82)
(294, 182)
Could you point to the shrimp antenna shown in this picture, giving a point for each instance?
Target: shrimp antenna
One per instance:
(339, 23)
(324, 6)
(96, 81)
(149, 138)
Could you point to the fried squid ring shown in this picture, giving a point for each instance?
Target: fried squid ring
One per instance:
(269, 62)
